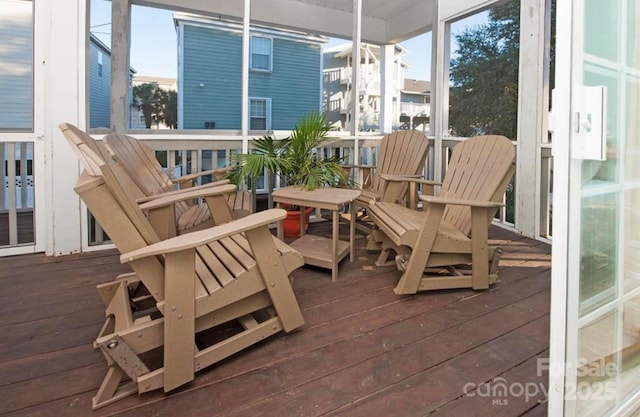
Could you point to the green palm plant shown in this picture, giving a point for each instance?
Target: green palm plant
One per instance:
(294, 159)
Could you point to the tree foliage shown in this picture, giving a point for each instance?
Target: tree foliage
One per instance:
(156, 104)
(484, 76)
(294, 158)
(169, 100)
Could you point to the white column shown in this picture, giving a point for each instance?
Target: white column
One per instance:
(120, 45)
(533, 105)
(560, 250)
(61, 25)
(355, 68)
(246, 38)
(439, 108)
(387, 55)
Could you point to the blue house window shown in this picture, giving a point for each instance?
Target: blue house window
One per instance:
(259, 114)
(261, 51)
(99, 64)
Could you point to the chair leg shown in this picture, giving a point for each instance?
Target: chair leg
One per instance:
(275, 278)
(383, 258)
(375, 240)
(479, 248)
(411, 278)
(111, 389)
(495, 260)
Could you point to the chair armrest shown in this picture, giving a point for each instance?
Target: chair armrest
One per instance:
(408, 178)
(417, 179)
(460, 202)
(143, 200)
(413, 181)
(188, 194)
(202, 237)
(191, 177)
(349, 166)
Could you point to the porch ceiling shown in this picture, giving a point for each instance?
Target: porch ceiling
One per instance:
(383, 21)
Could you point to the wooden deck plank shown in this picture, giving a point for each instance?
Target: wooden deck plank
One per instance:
(480, 400)
(28, 331)
(38, 366)
(360, 347)
(389, 336)
(434, 387)
(397, 363)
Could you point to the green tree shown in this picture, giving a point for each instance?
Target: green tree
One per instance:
(146, 98)
(169, 100)
(484, 76)
(156, 104)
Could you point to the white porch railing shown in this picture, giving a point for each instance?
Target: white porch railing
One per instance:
(16, 197)
(181, 157)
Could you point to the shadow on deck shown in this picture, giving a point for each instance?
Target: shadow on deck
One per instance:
(364, 351)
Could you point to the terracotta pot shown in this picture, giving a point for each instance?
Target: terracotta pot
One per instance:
(291, 225)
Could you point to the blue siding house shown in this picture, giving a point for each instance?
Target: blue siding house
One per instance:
(284, 78)
(16, 66)
(100, 83)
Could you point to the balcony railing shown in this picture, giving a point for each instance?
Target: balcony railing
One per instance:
(369, 83)
(415, 109)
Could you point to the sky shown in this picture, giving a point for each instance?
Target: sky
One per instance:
(153, 41)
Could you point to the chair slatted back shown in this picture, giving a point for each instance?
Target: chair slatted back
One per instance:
(143, 167)
(140, 161)
(480, 169)
(76, 138)
(401, 153)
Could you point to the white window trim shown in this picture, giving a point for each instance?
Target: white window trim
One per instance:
(268, 111)
(270, 54)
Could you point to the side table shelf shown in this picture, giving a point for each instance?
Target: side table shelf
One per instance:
(317, 250)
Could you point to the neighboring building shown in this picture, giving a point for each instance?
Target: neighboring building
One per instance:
(100, 83)
(16, 63)
(284, 78)
(337, 68)
(163, 83)
(415, 98)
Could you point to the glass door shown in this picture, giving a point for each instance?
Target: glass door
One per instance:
(601, 336)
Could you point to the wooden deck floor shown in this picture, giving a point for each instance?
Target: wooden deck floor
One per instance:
(364, 351)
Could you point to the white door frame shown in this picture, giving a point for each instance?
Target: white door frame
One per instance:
(565, 295)
(36, 137)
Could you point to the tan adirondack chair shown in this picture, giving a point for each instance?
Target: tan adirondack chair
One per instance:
(143, 167)
(234, 275)
(453, 229)
(167, 220)
(402, 154)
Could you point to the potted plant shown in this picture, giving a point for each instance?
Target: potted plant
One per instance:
(294, 159)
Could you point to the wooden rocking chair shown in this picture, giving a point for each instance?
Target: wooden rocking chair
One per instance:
(183, 289)
(402, 155)
(453, 229)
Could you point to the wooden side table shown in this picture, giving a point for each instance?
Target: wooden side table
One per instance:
(318, 250)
